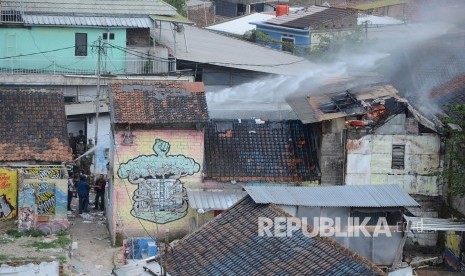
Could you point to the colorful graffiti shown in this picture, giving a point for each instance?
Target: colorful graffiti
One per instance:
(52, 173)
(42, 205)
(160, 196)
(8, 193)
(452, 252)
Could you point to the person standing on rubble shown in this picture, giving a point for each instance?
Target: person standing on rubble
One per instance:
(73, 178)
(83, 188)
(100, 184)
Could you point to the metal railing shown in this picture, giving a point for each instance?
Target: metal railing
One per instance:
(86, 66)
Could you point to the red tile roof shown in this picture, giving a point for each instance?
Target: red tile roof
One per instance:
(158, 102)
(33, 125)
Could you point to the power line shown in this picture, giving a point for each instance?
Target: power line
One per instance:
(38, 53)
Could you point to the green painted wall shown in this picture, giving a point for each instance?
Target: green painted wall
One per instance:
(27, 40)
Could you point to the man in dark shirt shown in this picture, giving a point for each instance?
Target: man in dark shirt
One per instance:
(81, 142)
(83, 191)
(100, 184)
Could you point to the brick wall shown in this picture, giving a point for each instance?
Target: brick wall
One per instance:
(135, 200)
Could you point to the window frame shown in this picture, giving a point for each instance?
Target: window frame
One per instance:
(80, 50)
(398, 157)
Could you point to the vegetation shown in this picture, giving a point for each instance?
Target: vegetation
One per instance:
(333, 44)
(28, 233)
(264, 39)
(180, 6)
(60, 242)
(454, 174)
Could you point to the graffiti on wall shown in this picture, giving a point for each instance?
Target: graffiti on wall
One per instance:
(42, 205)
(160, 196)
(43, 195)
(453, 252)
(53, 173)
(8, 193)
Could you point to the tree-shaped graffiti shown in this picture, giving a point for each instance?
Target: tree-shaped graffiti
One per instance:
(160, 196)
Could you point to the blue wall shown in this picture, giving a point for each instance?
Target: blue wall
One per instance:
(26, 40)
(301, 36)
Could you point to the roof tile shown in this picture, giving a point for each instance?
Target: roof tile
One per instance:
(250, 254)
(33, 125)
(160, 102)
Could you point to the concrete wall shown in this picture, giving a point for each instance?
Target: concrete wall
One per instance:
(26, 40)
(369, 162)
(332, 152)
(175, 158)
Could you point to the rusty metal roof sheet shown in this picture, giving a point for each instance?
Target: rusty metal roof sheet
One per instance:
(333, 196)
(214, 199)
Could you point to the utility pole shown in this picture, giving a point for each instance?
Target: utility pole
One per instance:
(97, 99)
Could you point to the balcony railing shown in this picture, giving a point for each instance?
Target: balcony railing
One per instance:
(86, 67)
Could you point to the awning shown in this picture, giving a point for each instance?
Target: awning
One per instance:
(216, 199)
(173, 19)
(420, 224)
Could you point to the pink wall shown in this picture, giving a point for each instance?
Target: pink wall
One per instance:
(152, 174)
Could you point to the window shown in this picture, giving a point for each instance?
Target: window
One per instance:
(287, 44)
(80, 48)
(398, 154)
(112, 36)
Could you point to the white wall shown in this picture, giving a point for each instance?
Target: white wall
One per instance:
(369, 162)
(103, 129)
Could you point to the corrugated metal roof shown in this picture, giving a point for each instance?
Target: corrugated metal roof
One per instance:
(434, 224)
(213, 199)
(240, 25)
(103, 21)
(109, 7)
(204, 46)
(312, 17)
(333, 196)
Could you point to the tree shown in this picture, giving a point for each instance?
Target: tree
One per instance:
(180, 6)
(454, 173)
(334, 43)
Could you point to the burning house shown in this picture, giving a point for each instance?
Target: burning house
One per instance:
(371, 135)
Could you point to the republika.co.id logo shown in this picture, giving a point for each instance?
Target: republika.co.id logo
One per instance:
(326, 227)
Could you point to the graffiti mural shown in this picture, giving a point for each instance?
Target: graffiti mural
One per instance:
(160, 196)
(42, 205)
(8, 193)
(53, 173)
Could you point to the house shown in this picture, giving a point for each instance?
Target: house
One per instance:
(72, 32)
(221, 61)
(233, 8)
(296, 31)
(157, 152)
(273, 151)
(348, 206)
(371, 135)
(55, 44)
(33, 148)
(392, 8)
(230, 244)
